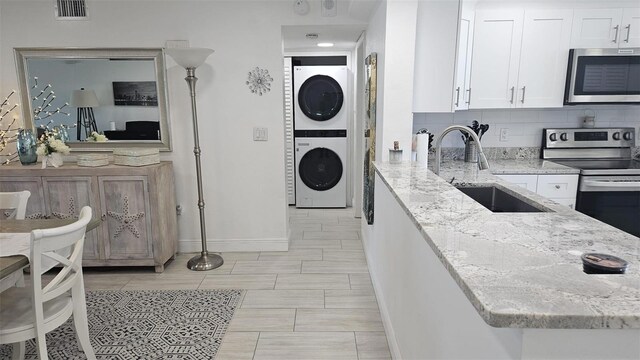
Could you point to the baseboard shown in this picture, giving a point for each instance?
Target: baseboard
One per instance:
(394, 348)
(228, 245)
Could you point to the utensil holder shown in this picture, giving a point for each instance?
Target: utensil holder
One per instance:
(471, 152)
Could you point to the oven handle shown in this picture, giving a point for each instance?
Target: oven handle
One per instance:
(626, 185)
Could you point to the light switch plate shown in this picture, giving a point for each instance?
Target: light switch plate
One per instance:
(504, 134)
(260, 134)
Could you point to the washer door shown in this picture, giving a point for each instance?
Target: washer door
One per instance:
(320, 97)
(320, 169)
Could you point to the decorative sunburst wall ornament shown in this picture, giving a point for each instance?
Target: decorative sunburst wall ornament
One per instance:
(259, 81)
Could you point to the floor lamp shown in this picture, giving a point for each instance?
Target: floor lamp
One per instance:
(85, 101)
(190, 59)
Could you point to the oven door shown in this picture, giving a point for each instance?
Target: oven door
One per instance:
(614, 200)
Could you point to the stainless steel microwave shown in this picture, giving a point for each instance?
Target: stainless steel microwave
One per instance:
(603, 76)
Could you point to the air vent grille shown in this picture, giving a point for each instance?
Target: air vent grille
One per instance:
(71, 9)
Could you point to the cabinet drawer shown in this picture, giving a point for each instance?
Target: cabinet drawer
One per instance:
(528, 182)
(558, 186)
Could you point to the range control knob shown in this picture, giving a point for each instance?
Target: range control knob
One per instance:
(616, 136)
(628, 136)
(563, 137)
(553, 137)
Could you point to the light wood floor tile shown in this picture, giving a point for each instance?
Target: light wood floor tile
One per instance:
(315, 244)
(295, 254)
(263, 320)
(296, 235)
(312, 281)
(283, 299)
(352, 245)
(333, 267)
(341, 227)
(338, 320)
(306, 346)
(256, 282)
(350, 220)
(179, 266)
(350, 299)
(360, 281)
(372, 346)
(164, 283)
(306, 227)
(330, 235)
(267, 267)
(114, 282)
(235, 256)
(343, 255)
(238, 346)
(315, 220)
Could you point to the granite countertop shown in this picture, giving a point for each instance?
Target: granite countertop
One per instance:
(525, 166)
(519, 270)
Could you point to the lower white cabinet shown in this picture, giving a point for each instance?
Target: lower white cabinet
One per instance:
(561, 188)
(137, 207)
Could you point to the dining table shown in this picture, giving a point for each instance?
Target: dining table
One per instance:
(11, 266)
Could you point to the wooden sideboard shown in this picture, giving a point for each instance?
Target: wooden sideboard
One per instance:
(137, 207)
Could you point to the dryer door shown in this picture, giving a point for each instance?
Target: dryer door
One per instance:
(320, 97)
(320, 169)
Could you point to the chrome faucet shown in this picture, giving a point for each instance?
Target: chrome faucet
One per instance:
(482, 160)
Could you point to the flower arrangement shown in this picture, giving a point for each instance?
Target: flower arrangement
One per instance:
(49, 143)
(96, 137)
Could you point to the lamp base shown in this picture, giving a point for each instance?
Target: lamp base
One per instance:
(205, 261)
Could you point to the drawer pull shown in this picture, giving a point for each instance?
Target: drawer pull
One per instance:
(557, 186)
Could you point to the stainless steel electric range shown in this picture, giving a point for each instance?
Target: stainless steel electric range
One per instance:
(609, 188)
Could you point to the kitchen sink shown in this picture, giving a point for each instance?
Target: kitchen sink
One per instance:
(498, 200)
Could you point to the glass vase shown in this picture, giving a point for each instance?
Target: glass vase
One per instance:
(27, 145)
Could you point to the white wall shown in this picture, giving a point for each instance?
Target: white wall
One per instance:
(525, 126)
(244, 181)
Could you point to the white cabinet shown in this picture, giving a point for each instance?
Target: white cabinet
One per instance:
(559, 188)
(519, 58)
(606, 28)
(463, 56)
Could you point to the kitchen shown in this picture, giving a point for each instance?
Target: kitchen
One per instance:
(515, 131)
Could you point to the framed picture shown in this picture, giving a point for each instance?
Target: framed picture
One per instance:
(135, 93)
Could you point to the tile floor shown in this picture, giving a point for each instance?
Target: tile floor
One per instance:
(315, 301)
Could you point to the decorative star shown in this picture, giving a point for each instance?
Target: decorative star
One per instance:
(72, 211)
(126, 219)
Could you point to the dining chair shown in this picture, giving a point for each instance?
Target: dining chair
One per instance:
(53, 304)
(16, 201)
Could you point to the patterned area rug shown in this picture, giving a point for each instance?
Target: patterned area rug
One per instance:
(153, 324)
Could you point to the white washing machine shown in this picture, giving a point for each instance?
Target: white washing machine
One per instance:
(320, 97)
(321, 168)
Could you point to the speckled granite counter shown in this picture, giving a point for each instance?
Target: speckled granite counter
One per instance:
(522, 166)
(519, 270)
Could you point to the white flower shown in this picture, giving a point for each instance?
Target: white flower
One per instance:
(59, 146)
(41, 150)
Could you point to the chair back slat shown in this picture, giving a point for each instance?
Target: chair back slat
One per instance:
(16, 201)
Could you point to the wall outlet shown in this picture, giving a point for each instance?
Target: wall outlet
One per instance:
(260, 134)
(504, 134)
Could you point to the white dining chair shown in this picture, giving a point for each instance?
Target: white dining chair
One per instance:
(53, 304)
(16, 201)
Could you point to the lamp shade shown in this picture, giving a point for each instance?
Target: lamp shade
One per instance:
(189, 57)
(84, 98)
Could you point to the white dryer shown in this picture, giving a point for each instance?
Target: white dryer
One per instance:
(321, 168)
(320, 97)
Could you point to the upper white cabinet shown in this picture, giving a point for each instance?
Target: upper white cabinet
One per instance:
(462, 87)
(519, 58)
(606, 28)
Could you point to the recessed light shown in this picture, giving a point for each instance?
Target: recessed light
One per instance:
(325, 44)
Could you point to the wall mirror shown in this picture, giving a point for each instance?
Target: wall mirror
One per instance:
(120, 92)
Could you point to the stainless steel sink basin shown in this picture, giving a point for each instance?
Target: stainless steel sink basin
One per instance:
(498, 200)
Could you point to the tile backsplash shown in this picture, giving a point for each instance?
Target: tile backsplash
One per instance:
(524, 127)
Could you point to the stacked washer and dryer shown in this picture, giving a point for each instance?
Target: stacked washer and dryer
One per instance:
(320, 131)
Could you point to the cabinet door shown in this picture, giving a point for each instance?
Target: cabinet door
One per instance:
(543, 60)
(558, 186)
(463, 62)
(630, 28)
(496, 51)
(65, 196)
(125, 208)
(596, 28)
(526, 181)
(35, 206)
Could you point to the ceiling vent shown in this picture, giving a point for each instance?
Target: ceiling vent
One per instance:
(71, 10)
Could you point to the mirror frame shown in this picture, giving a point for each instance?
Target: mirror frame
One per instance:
(155, 54)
